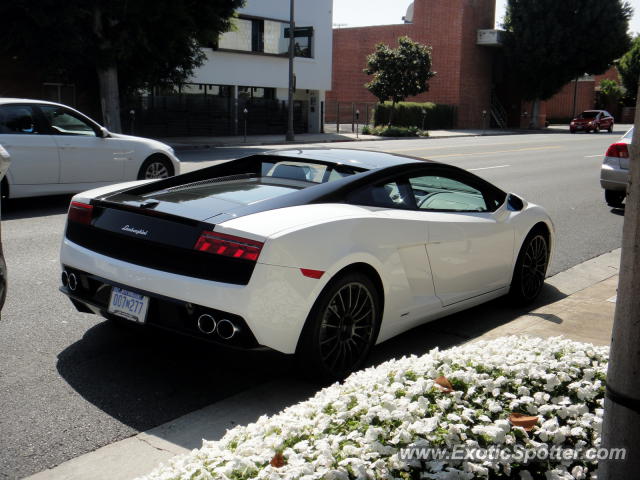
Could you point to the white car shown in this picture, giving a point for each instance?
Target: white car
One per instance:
(614, 174)
(57, 150)
(317, 252)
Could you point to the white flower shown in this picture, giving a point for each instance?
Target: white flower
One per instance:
(355, 429)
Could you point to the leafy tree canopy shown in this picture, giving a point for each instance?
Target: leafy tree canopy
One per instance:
(629, 67)
(400, 72)
(550, 42)
(148, 41)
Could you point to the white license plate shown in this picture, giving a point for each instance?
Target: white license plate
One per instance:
(129, 305)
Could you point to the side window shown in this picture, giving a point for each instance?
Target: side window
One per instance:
(387, 195)
(65, 122)
(17, 119)
(439, 192)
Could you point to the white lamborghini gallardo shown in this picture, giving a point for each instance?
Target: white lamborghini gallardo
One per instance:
(319, 252)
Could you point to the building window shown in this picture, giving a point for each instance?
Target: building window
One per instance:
(303, 46)
(265, 36)
(204, 89)
(257, 92)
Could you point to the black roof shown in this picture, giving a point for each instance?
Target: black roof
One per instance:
(365, 159)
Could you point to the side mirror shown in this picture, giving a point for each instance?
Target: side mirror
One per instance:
(104, 133)
(514, 203)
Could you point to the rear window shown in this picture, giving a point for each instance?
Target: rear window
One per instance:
(242, 192)
(305, 171)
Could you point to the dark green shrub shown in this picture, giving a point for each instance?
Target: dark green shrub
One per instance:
(393, 131)
(409, 114)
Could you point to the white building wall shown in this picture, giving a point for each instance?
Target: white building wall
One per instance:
(255, 70)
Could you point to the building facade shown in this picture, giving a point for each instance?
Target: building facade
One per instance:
(244, 80)
(462, 61)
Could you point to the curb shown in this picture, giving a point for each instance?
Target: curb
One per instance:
(181, 147)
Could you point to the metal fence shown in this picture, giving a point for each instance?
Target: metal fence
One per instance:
(199, 115)
(345, 116)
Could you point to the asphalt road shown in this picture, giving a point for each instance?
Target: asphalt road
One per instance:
(71, 382)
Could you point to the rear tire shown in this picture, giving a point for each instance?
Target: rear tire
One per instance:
(531, 268)
(4, 189)
(156, 166)
(341, 329)
(614, 198)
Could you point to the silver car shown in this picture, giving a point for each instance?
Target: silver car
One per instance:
(614, 175)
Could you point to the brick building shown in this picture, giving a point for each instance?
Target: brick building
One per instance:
(464, 68)
(560, 107)
(467, 58)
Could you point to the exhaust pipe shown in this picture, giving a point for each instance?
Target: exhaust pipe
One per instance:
(226, 329)
(73, 282)
(65, 278)
(207, 324)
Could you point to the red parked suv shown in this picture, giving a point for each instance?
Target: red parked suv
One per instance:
(592, 120)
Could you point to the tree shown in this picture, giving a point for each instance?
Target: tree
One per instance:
(126, 45)
(610, 94)
(621, 423)
(400, 72)
(551, 42)
(629, 68)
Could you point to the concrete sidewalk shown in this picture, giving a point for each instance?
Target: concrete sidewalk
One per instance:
(193, 143)
(584, 313)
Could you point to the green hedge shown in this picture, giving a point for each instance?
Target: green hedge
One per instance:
(409, 114)
(385, 131)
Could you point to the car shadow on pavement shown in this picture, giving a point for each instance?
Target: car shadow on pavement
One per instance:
(618, 211)
(19, 208)
(146, 377)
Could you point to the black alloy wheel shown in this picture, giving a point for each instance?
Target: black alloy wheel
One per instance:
(341, 328)
(531, 269)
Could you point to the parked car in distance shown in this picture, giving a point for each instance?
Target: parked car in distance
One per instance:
(614, 174)
(316, 252)
(56, 150)
(592, 121)
(5, 161)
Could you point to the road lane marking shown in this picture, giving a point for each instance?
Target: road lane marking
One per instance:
(443, 147)
(592, 156)
(529, 149)
(487, 168)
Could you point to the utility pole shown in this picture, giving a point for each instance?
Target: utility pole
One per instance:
(621, 426)
(292, 40)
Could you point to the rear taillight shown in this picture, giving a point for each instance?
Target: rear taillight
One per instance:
(80, 213)
(229, 246)
(618, 150)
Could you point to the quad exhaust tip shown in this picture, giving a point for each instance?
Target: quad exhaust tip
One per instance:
(226, 329)
(207, 324)
(73, 282)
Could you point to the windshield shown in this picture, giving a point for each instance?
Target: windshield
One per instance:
(588, 115)
(305, 171)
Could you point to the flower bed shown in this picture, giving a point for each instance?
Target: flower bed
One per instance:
(358, 429)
